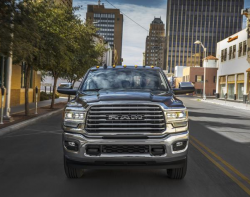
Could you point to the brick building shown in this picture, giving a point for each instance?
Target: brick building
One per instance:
(196, 76)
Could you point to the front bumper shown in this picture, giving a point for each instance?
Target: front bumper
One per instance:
(170, 159)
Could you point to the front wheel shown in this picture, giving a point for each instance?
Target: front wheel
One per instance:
(72, 172)
(177, 173)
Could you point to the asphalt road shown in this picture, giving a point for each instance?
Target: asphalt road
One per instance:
(31, 162)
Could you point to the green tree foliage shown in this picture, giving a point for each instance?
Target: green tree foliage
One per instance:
(48, 37)
(6, 24)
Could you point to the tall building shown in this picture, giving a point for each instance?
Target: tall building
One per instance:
(206, 20)
(110, 25)
(155, 42)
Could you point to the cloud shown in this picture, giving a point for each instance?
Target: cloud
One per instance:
(134, 37)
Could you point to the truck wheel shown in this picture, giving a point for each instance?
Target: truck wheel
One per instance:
(72, 172)
(177, 173)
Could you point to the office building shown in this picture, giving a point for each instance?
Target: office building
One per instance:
(233, 77)
(154, 51)
(110, 25)
(206, 20)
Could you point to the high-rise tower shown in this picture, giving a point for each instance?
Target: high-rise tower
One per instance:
(154, 51)
(110, 25)
(206, 20)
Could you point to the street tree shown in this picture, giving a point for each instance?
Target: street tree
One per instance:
(87, 54)
(19, 35)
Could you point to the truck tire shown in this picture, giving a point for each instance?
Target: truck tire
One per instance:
(177, 173)
(72, 172)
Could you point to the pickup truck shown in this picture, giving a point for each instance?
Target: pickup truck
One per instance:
(125, 117)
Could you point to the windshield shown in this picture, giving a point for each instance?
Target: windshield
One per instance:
(125, 79)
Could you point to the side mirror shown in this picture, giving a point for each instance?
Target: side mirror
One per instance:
(184, 88)
(66, 88)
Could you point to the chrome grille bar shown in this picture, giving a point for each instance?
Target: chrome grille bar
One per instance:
(125, 118)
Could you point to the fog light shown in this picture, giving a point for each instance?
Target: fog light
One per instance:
(71, 145)
(180, 124)
(179, 145)
(157, 150)
(93, 150)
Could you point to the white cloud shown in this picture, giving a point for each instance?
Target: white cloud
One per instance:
(134, 37)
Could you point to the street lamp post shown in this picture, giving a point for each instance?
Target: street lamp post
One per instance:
(204, 83)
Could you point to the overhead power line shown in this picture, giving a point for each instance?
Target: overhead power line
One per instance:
(127, 16)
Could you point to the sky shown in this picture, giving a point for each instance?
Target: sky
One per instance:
(143, 12)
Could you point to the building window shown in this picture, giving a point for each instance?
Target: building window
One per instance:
(231, 86)
(240, 49)
(240, 86)
(244, 47)
(230, 52)
(225, 54)
(222, 56)
(222, 86)
(215, 79)
(234, 51)
(198, 78)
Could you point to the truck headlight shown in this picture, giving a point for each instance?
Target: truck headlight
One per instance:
(74, 118)
(177, 118)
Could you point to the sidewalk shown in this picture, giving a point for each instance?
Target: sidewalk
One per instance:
(20, 108)
(228, 103)
(20, 120)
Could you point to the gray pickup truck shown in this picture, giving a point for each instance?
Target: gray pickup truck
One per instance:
(125, 117)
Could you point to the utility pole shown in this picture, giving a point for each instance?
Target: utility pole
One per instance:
(8, 88)
(8, 78)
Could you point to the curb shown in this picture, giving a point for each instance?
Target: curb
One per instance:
(28, 122)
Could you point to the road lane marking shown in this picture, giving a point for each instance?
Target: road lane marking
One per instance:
(223, 161)
(242, 186)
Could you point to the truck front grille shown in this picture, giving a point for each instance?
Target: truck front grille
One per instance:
(125, 119)
(125, 149)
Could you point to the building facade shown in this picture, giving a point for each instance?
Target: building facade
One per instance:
(17, 83)
(110, 25)
(155, 42)
(206, 20)
(233, 78)
(196, 76)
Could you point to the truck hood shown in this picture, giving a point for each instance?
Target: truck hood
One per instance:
(132, 95)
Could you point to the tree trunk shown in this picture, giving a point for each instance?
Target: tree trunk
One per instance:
(27, 86)
(54, 92)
